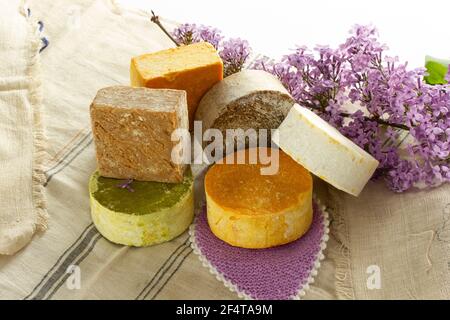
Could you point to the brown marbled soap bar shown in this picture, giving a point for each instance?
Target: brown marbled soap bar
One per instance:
(132, 130)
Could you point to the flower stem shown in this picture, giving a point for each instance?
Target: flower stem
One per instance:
(376, 119)
(381, 121)
(155, 20)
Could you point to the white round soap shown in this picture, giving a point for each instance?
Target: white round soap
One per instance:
(324, 151)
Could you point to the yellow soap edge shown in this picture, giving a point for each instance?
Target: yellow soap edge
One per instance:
(303, 211)
(135, 72)
(132, 230)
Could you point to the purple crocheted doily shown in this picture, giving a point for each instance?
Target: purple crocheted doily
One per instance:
(283, 272)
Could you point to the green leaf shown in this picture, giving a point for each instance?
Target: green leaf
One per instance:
(437, 70)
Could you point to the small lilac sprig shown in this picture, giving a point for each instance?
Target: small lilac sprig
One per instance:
(189, 33)
(186, 34)
(210, 34)
(126, 185)
(234, 52)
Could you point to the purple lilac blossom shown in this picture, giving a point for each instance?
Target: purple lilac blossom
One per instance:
(234, 53)
(211, 35)
(186, 33)
(390, 96)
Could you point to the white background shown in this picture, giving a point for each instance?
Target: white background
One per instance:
(411, 29)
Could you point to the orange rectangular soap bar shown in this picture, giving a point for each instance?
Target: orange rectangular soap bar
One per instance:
(194, 68)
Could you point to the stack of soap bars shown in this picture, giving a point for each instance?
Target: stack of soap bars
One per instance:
(140, 194)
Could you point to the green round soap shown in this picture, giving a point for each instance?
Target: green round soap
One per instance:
(154, 212)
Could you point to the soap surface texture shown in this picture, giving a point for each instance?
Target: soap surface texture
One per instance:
(249, 99)
(250, 210)
(147, 214)
(194, 68)
(324, 151)
(132, 130)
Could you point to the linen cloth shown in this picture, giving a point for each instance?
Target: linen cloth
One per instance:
(406, 237)
(91, 43)
(22, 152)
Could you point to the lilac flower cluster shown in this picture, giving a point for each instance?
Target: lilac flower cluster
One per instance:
(186, 34)
(234, 52)
(380, 104)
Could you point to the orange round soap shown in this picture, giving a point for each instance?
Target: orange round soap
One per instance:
(249, 209)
